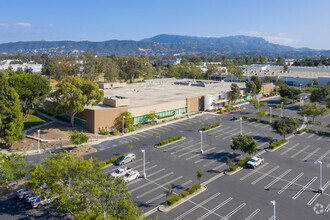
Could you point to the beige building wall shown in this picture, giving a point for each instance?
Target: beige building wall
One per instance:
(138, 111)
(195, 104)
(268, 89)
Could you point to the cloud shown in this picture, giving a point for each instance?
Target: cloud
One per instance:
(279, 38)
(50, 25)
(4, 25)
(22, 25)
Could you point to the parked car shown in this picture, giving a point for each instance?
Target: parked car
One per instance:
(32, 196)
(40, 202)
(129, 157)
(21, 193)
(254, 162)
(132, 175)
(121, 171)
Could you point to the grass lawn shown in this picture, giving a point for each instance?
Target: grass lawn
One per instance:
(34, 120)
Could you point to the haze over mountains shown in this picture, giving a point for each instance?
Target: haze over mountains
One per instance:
(164, 45)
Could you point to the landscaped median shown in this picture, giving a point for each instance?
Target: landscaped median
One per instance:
(109, 162)
(207, 128)
(235, 168)
(313, 131)
(168, 141)
(181, 198)
(276, 145)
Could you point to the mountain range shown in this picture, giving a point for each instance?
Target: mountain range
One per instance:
(164, 44)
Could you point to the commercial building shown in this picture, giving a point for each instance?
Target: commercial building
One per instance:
(15, 64)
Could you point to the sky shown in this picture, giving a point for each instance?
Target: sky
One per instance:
(296, 23)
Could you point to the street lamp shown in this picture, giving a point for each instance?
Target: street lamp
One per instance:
(144, 163)
(38, 141)
(270, 114)
(201, 141)
(123, 126)
(320, 189)
(273, 203)
(281, 109)
(241, 125)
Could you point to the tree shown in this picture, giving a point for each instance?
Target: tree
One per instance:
(312, 110)
(290, 92)
(199, 175)
(77, 137)
(82, 188)
(261, 114)
(128, 121)
(238, 72)
(111, 71)
(49, 69)
(256, 104)
(92, 64)
(211, 70)
(284, 99)
(12, 168)
(280, 61)
(244, 143)
(258, 82)
(152, 116)
(32, 90)
(282, 128)
(322, 94)
(285, 67)
(251, 88)
(11, 117)
(168, 192)
(235, 92)
(268, 79)
(316, 82)
(74, 93)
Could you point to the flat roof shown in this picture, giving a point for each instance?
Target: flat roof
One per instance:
(156, 91)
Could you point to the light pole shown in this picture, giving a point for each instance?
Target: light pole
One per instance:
(123, 126)
(38, 141)
(241, 125)
(273, 203)
(201, 141)
(320, 189)
(144, 163)
(301, 101)
(300, 86)
(281, 109)
(270, 114)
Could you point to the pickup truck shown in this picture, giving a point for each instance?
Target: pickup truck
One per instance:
(254, 162)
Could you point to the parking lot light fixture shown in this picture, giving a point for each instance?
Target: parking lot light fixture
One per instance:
(320, 189)
(38, 141)
(273, 203)
(281, 109)
(123, 126)
(241, 121)
(201, 151)
(270, 114)
(144, 163)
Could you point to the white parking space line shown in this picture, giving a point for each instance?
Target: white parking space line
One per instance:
(113, 169)
(322, 157)
(191, 150)
(200, 160)
(227, 132)
(215, 168)
(215, 160)
(311, 153)
(138, 134)
(215, 208)
(149, 168)
(148, 183)
(229, 136)
(265, 126)
(310, 135)
(318, 194)
(290, 148)
(163, 194)
(153, 132)
(164, 128)
(257, 125)
(263, 144)
(134, 137)
(290, 183)
(327, 209)
(234, 211)
(146, 133)
(304, 188)
(157, 187)
(253, 172)
(226, 128)
(264, 175)
(277, 179)
(300, 151)
(154, 173)
(319, 138)
(197, 206)
(252, 214)
(196, 155)
(188, 147)
(134, 168)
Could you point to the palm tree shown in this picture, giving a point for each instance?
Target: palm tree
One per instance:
(200, 175)
(168, 192)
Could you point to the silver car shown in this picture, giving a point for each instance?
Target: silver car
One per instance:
(129, 157)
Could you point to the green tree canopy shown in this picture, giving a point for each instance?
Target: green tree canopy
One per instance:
(74, 93)
(11, 117)
(32, 90)
(12, 167)
(261, 113)
(284, 99)
(268, 79)
(258, 82)
(244, 143)
(312, 110)
(128, 121)
(282, 128)
(251, 88)
(256, 104)
(235, 92)
(290, 92)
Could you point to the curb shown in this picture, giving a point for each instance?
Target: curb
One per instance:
(212, 129)
(158, 147)
(229, 173)
(272, 150)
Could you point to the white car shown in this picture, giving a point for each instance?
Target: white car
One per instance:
(132, 175)
(254, 162)
(121, 171)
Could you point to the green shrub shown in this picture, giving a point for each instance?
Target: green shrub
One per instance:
(232, 168)
(114, 159)
(184, 193)
(191, 190)
(170, 140)
(161, 143)
(174, 199)
(196, 186)
(114, 132)
(243, 162)
(102, 164)
(77, 137)
(278, 143)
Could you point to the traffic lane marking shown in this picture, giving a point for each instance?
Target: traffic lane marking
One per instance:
(289, 148)
(226, 132)
(214, 132)
(322, 157)
(290, 183)
(253, 172)
(311, 153)
(191, 151)
(215, 209)
(252, 214)
(235, 210)
(304, 188)
(312, 200)
(148, 183)
(277, 179)
(300, 151)
(265, 174)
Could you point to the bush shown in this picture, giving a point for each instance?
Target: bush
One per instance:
(278, 143)
(174, 199)
(184, 193)
(77, 137)
(196, 186)
(243, 162)
(232, 168)
(114, 132)
(191, 190)
(301, 131)
(161, 143)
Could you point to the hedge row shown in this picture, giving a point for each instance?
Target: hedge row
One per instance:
(104, 132)
(278, 143)
(128, 130)
(161, 143)
(259, 120)
(109, 161)
(314, 131)
(176, 198)
(210, 126)
(243, 117)
(244, 161)
(232, 168)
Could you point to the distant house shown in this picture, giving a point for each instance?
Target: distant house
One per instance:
(15, 64)
(175, 62)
